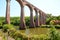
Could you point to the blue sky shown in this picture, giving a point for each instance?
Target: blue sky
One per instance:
(48, 6)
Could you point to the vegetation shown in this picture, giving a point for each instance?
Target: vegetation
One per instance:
(11, 30)
(53, 34)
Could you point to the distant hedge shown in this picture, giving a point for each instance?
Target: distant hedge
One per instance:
(49, 26)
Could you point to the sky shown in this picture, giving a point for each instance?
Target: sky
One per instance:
(48, 6)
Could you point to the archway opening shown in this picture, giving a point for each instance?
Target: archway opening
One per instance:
(3, 8)
(2, 11)
(27, 15)
(34, 15)
(15, 11)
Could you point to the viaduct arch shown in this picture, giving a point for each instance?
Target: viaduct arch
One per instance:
(41, 19)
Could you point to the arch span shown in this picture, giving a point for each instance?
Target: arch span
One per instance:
(32, 24)
(37, 17)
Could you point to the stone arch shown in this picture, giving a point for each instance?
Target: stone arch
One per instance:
(44, 18)
(14, 11)
(27, 15)
(30, 6)
(20, 2)
(3, 8)
(26, 11)
(37, 17)
(40, 17)
(31, 16)
(34, 15)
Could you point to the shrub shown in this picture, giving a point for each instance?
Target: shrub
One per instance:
(6, 27)
(49, 26)
(17, 34)
(35, 37)
(39, 37)
(43, 37)
(18, 39)
(51, 23)
(16, 27)
(45, 26)
(16, 22)
(12, 32)
(1, 25)
(55, 22)
(54, 34)
(57, 26)
(27, 19)
(3, 22)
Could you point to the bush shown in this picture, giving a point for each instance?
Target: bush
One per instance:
(57, 26)
(55, 22)
(43, 37)
(38, 37)
(54, 34)
(27, 19)
(35, 37)
(46, 26)
(1, 25)
(51, 22)
(6, 27)
(17, 34)
(49, 26)
(12, 32)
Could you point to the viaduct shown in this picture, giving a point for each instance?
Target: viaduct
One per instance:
(40, 19)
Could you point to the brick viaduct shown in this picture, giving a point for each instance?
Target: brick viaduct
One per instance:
(41, 19)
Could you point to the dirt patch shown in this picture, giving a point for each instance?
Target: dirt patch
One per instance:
(0, 38)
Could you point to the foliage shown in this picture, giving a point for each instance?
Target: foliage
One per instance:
(2, 35)
(49, 26)
(15, 21)
(12, 32)
(49, 17)
(16, 34)
(27, 19)
(55, 22)
(57, 26)
(54, 34)
(51, 23)
(7, 26)
(45, 26)
(0, 25)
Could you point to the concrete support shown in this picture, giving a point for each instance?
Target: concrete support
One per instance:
(37, 19)
(44, 19)
(41, 18)
(8, 12)
(31, 19)
(22, 20)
